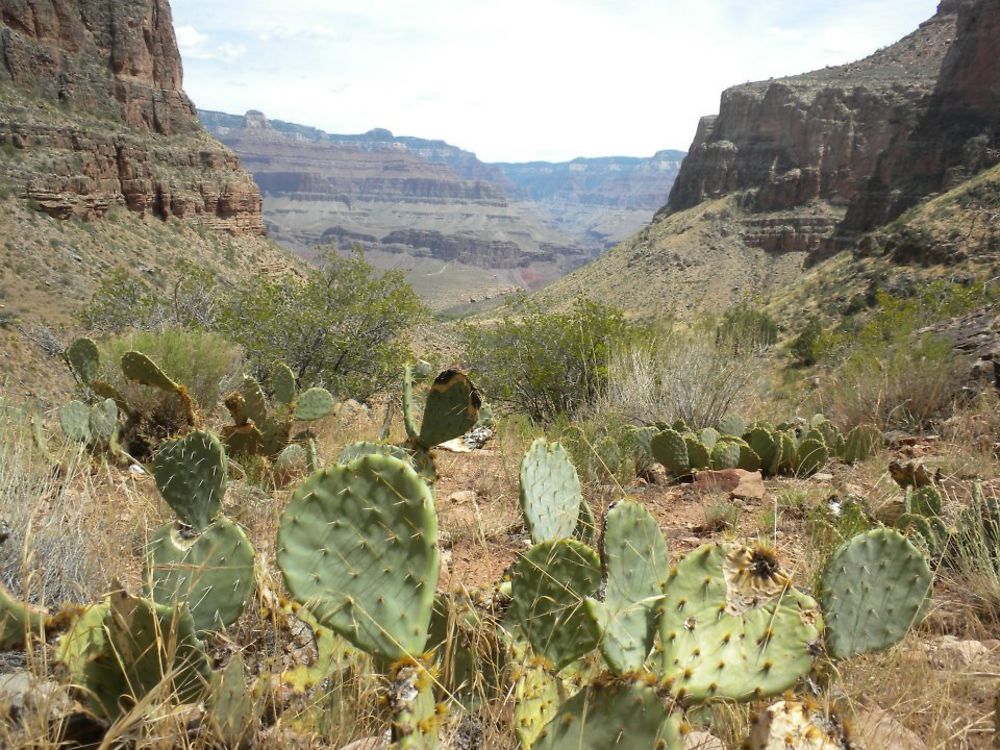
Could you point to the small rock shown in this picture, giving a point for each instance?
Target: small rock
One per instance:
(822, 477)
(702, 741)
(740, 484)
(368, 743)
(455, 446)
(952, 654)
(21, 692)
(878, 730)
(462, 496)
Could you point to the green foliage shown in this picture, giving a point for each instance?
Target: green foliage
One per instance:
(544, 363)
(340, 327)
(803, 346)
(746, 329)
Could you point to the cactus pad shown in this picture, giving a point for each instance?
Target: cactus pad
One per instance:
(411, 703)
(636, 568)
(140, 368)
(732, 424)
(354, 451)
(873, 589)
(862, 442)
(313, 404)
(615, 716)
(213, 573)
(103, 420)
(550, 585)
(726, 455)
(231, 713)
(536, 700)
(74, 418)
(699, 455)
(121, 650)
(550, 492)
(762, 441)
(283, 384)
(451, 410)
(790, 724)
(670, 449)
(358, 545)
(733, 627)
(17, 619)
(85, 358)
(191, 476)
(811, 454)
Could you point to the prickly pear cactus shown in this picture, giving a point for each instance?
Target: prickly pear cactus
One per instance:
(550, 492)
(354, 451)
(733, 425)
(251, 406)
(536, 700)
(726, 455)
(614, 716)
(699, 455)
(85, 359)
(550, 585)
(212, 572)
(732, 626)
(812, 453)
(924, 501)
(409, 420)
(313, 404)
(862, 442)
(451, 410)
(358, 545)
(636, 565)
(800, 725)
(709, 437)
(283, 384)
(670, 449)
(191, 476)
(103, 421)
(873, 589)
(17, 620)
(231, 709)
(74, 418)
(411, 703)
(122, 649)
(749, 460)
(762, 441)
(140, 368)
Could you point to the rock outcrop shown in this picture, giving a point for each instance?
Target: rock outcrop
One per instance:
(866, 140)
(94, 115)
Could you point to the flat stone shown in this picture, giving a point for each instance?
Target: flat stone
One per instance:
(952, 654)
(740, 484)
(368, 743)
(822, 477)
(462, 497)
(876, 729)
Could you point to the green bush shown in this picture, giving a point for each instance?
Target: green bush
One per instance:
(542, 363)
(746, 329)
(340, 328)
(803, 346)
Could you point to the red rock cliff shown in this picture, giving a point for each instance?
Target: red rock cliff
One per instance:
(862, 141)
(92, 101)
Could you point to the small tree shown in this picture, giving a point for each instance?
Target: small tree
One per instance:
(339, 327)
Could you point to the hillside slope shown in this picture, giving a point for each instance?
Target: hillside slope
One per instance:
(794, 170)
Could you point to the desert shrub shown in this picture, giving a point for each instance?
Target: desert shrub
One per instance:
(678, 376)
(803, 346)
(542, 363)
(746, 329)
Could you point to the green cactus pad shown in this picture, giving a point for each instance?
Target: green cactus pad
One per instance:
(283, 384)
(85, 359)
(812, 454)
(749, 460)
(762, 441)
(409, 420)
(451, 410)
(103, 420)
(17, 619)
(354, 451)
(789, 461)
(253, 406)
(670, 449)
(313, 404)
(244, 440)
(213, 572)
(550, 492)
(536, 700)
(358, 546)
(732, 424)
(119, 651)
(709, 437)
(231, 709)
(550, 585)
(191, 476)
(106, 390)
(861, 443)
(74, 418)
(293, 458)
(699, 455)
(733, 627)
(924, 501)
(140, 368)
(874, 588)
(412, 708)
(636, 568)
(615, 716)
(726, 455)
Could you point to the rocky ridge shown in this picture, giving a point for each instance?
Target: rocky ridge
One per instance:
(93, 114)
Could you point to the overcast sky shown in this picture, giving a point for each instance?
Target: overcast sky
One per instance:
(516, 80)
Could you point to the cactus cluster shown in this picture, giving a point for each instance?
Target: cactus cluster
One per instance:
(268, 429)
(204, 559)
(794, 449)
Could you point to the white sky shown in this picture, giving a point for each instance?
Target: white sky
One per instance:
(519, 79)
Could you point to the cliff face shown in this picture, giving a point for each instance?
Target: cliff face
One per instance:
(93, 115)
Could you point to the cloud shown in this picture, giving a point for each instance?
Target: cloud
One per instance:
(517, 79)
(195, 45)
